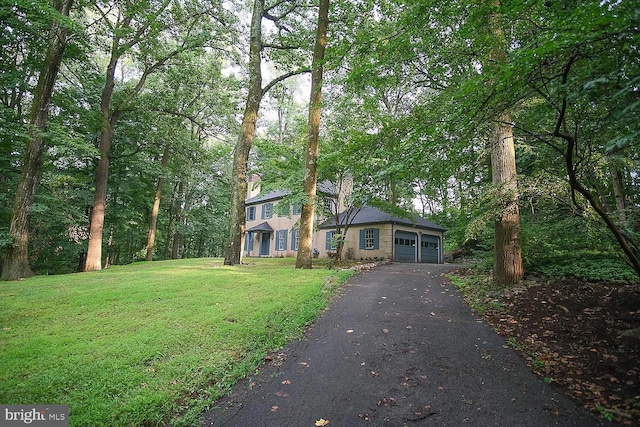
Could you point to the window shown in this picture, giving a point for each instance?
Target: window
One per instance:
(251, 213)
(281, 240)
(296, 210)
(425, 244)
(370, 238)
(331, 241)
(328, 204)
(295, 239)
(267, 210)
(282, 210)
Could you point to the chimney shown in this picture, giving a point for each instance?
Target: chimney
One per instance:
(253, 186)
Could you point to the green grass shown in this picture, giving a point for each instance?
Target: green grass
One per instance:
(149, 343)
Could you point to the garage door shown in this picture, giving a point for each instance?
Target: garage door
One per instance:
(405, 247)
(429, 249)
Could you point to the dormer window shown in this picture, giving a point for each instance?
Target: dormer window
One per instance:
(328, 204)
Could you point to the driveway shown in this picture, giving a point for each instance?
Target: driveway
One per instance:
(398, 348)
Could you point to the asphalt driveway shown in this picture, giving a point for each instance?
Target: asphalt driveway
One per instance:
(398, 348)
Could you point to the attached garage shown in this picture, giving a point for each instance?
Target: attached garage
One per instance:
(374, 234)
(430, 249)
(404, 249)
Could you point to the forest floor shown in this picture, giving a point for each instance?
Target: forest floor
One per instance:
(571, 334)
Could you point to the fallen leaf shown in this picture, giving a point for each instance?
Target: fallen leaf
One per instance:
(274, 408)
(286, 382)
(321, 422)
(350, 331)
(387, 401)
(386, 331)
(282, 394)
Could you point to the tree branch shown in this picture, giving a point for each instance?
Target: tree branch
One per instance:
(283, 77)
(279, 47)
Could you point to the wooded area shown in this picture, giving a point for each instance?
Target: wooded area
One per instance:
(128, 128)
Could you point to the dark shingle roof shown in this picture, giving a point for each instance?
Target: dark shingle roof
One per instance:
(324, 187)
(271, 195)
(261, 227)
(371, 215)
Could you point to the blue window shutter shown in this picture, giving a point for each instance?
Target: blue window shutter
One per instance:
(285, 239)
(328, 245)
(362, 234)
(294, 233)
(376, 238)
(246, 241)
(263, 211)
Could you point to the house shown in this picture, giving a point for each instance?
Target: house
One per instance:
(372, 233)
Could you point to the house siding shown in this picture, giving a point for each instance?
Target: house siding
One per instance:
(277, 223)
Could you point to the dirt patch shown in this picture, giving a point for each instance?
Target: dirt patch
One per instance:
(572, 334)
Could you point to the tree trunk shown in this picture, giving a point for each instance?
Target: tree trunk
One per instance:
(177, 236)
(628, 245)
(507, 261)
(16, 262)
(151, 236)
(618, 192)
(626, 242)
(305, 244)
(109, 120)
(507, 252)
(108, 260)
(233, 255)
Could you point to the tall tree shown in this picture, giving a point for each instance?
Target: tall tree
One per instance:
(16, 263)
(142, 31)
(245, 139)
(303, 259)
(151, 236)
(256, 92)
(507, 252)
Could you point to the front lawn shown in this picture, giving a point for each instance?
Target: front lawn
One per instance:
(149, 343)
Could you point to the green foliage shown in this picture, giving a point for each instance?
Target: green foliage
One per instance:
(479, 290)
(146, 343)
(605, 414)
